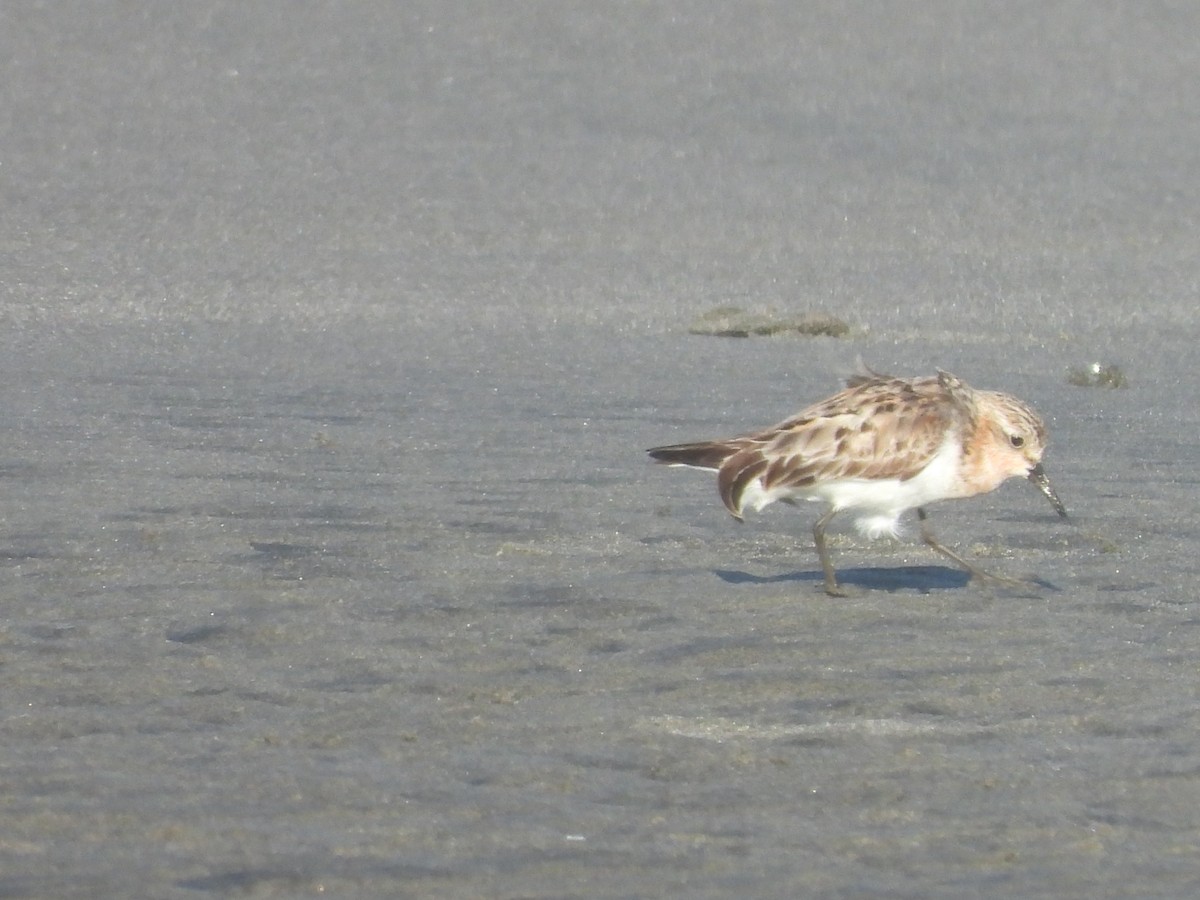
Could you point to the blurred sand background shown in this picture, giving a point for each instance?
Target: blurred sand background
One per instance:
(333, 336)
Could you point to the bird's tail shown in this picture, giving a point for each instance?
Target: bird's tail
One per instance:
(699, 455)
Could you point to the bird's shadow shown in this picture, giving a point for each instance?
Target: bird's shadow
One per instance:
(900, 578)
(923, 579)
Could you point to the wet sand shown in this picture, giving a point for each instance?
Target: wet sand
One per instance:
(332, 560)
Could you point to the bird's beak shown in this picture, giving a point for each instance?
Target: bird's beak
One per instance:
(1040, 480)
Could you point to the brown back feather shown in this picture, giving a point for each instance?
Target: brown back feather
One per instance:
(852, 434)
(849, 435)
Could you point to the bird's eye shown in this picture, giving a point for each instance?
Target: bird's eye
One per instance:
(1016, 440)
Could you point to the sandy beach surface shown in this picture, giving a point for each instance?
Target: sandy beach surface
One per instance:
(334, 335)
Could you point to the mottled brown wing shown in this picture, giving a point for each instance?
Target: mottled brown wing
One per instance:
(736, 474)
(878, 428)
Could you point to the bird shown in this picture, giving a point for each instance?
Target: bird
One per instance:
(880, 447)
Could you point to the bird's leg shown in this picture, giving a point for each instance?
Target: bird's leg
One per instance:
(972, 570)
(832, 588)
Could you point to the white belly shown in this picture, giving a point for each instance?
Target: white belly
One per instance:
(877, 502)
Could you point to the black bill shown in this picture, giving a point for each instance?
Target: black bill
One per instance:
(1038, 476)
